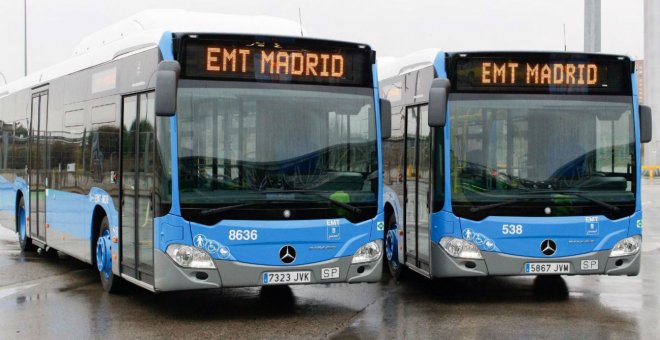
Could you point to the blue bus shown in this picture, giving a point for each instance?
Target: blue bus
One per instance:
(513, 163)
(196, 157)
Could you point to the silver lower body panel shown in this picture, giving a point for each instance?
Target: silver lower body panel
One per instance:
(498, 264)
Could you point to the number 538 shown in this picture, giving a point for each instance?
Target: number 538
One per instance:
(512, 229)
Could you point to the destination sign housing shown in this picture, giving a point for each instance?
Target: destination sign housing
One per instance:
(290, 60)
(541, 73)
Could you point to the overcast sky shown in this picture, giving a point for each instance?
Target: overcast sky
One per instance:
(391, 27)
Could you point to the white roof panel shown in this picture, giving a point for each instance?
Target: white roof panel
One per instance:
(389, 67)
(145, 30)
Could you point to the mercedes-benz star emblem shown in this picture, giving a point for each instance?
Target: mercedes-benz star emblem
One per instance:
(548, 247)
(287, 254)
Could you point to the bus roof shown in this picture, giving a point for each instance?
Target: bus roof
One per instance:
(391, 67)
(144, 31)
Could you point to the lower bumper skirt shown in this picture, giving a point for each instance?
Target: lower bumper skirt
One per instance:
(498, 264)
(169, 276)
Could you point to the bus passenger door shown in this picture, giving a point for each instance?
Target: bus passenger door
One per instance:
(417, 186)
(137, 186)
(38, 175)
(410, 186)
(423, 185)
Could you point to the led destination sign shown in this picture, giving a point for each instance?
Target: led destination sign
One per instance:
(309, 64)
(299, 61)
(541, 73)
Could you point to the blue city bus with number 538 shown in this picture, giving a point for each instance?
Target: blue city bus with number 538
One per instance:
(191, 151)
(513, 163)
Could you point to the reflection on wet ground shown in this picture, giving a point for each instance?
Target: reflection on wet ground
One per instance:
(43, 297)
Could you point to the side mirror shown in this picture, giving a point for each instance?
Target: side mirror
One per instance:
(645, 124)
(438, 102)
(385, 119)
(167, 78)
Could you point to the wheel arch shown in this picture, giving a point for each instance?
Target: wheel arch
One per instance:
(389, 211)
(97, 217)
(19, 195)
(392, 204)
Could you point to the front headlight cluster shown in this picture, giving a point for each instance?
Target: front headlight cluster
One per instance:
(458, 247)
(368, 252)
(190, 257)
(627, 246)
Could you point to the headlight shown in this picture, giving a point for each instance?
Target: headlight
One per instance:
(368, 252)
(458, 247)
(190, 257)
(627, 246)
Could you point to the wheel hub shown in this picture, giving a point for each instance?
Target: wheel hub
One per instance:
(103, 251)
(390, 245)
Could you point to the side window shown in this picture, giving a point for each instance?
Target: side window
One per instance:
(19, 149)
(613, 146)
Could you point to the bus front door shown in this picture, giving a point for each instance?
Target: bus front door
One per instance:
(137, 186)
(417, 186)
(38, 167)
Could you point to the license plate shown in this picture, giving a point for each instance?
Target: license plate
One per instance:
(277, 278)
(547, 268)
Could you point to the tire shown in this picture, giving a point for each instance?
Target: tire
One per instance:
(24, 241)
(111, 283)
(395, 268)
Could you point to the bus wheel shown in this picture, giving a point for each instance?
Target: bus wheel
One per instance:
(23, 240)
(392, 248)
(110, 282)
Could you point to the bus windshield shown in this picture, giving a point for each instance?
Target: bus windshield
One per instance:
(542, 155)
(251, 142)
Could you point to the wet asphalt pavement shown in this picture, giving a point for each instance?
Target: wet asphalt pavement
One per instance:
(59, 297)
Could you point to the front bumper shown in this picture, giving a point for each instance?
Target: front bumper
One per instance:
(169, 276)
(444, 265)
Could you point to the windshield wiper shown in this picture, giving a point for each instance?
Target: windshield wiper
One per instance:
(577, 194)
(342, 205)
(498, 204)
(534, 195)
(214, 211)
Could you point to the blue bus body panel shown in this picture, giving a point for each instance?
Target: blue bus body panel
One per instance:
(167, 52)
(171, 229)
(444, 223)
(69, 216)
(573, 235)
(314, 240)
(8, 193)
(439, 65)
(638, 145)
(635, 227)
(7, 197)
(374, 72)
(71, 213)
